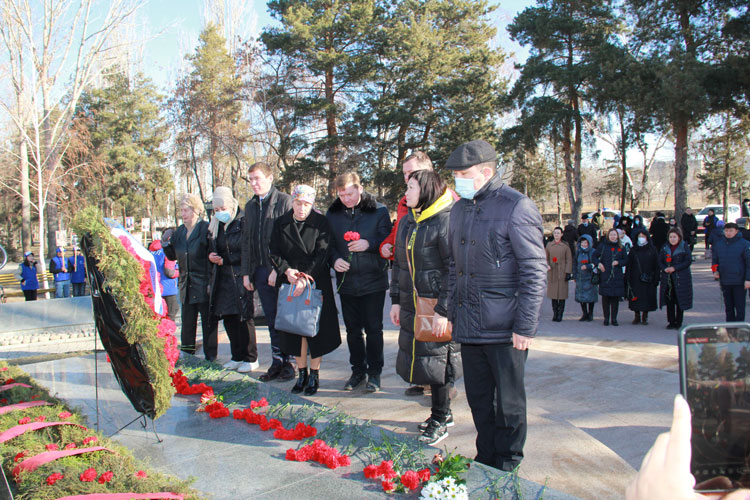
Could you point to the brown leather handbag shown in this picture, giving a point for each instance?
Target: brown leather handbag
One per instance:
(424, 310)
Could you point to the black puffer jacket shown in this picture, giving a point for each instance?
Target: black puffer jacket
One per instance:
(612, 279)
(498, 278)
(257, 226)
(680, 282)
(642, 265)
(424, 362)
(191, 255)
(368, 272)
(228, 295)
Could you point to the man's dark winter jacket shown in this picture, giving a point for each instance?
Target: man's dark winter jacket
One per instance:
(257, 226)
(498, 273)
(368, 272)
(733, 258)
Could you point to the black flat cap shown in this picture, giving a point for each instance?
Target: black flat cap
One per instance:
(469, 154)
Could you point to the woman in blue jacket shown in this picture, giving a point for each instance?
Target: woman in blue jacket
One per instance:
(610, 258)
(587, 293)
(27, 273)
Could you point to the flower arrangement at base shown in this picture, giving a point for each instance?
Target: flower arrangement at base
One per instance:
(43, 456)
(445, 489)
(129, 278)
(391, 481)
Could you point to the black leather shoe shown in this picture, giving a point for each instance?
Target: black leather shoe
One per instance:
(272, 373)
(301, 381)
(312, 383)
(287, 372)
(606, 322)
(615, 323)
(354, 381)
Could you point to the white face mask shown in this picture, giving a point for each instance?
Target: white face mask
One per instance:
(642, 241)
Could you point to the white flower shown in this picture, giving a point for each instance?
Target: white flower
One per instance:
(431, 490)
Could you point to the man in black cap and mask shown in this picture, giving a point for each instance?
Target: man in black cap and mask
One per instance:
(498, 278)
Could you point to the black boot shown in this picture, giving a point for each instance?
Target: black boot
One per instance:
(585, 310)
(637, 320)
(301, 381)
(312, 383)
(560, 309)
(644, 319)
(591, 312)
(554, 309)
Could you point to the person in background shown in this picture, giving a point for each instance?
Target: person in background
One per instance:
(361, 274)
(689, 226)
(676, 290)
(637, 224)
(625, 240)
(586, 227)
(717, 233)
(559, 269)
(641, 277)
(497, 281)
(744, 224)
(77, 267)
(610, 258)
(27, 274)
(300, 247)
(672, 222)
(626, 224)
(570, 236)
(189, 247)
(587, 293)
(731, 266)
(418, 160)
(167, 278)
(421, 266)
(658, 230)
(58, 266)
(709, 224)
(266, 205)
(229, 300)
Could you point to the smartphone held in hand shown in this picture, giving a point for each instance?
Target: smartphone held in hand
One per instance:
(715, 381)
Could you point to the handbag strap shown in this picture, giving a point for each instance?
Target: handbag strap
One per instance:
(309, 286)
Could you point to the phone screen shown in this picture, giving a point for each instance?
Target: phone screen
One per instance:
(715, 379)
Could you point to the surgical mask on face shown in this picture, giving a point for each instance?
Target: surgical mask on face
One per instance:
(642, 241)
(465, 188)
(224, 217)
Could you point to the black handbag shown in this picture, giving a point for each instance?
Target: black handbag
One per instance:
(595, 279)
(647, 278)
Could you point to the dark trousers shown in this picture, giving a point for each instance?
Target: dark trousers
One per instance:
(242, 341)
(268, 296)
(29, 295)
(674, 313)
(173, 305)
(79, 289)
(588, 308)
(190, 324)
(495, 373)
(441, 401)
(734, 302)
(364, 313)
(610, 306)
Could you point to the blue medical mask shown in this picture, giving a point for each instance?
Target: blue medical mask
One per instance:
(223, 217)
(642, 241)
(465, 188)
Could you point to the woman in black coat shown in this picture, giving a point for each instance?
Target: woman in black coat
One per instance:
(642, 277)
(229, 300)
(421, 261)
(675, 259)
(610, 258)
(300, 245)
(188, 245)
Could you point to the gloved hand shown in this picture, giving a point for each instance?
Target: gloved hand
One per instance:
(568, 276)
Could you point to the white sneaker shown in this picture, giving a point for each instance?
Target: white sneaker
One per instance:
(248, 366)
(232, 365)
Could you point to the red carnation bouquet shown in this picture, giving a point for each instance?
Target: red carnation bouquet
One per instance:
(349, 236)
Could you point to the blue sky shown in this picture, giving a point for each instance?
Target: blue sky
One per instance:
(175, 25)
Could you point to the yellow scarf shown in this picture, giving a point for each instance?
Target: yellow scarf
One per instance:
(445, 200)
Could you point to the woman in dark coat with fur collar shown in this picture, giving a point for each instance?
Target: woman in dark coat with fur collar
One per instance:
(641, 276)
(421, 261)
(610, 258)
(300, 243)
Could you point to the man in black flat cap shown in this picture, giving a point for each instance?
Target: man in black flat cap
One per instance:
(497, 282)
(586, 227)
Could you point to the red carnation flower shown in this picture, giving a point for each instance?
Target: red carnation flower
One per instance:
(351, 236)
(388, 486)
(669, 258)
(19, 456)
(141, 474)
(619, 249)
(90, 439)
(3, 401)
(52, 447)
(65, 414)
(10, 381)
(70, 446)
(410, 480)
(554, 259)
(371, 471)
(634, 299)
(40, 418)
(584, 261)
(424, 475)
(53, 478)
(106, 477)
(24, 420)
(88, 476)
(715, 268)
(35, 396)
(4, 369)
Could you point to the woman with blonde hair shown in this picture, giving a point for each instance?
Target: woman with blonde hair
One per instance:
(188, 245)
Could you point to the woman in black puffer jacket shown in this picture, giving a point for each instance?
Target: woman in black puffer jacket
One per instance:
(421, 261)
(229, 300)
(642, 277)
(610, 258)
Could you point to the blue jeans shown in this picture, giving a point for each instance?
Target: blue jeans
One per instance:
(79, 289)
(268, 296)
(62, 289)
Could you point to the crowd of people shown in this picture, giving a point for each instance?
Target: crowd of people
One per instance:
(647, 267)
